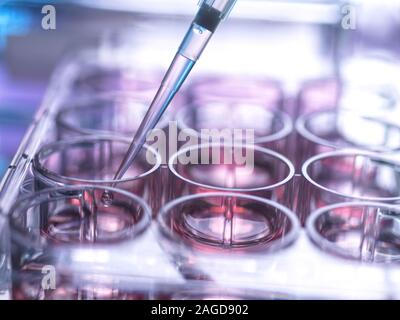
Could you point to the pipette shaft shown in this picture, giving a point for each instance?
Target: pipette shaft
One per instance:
(211, 13)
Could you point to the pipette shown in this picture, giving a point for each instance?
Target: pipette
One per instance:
(210, 14)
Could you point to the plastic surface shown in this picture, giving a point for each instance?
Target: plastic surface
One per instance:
(148, 270)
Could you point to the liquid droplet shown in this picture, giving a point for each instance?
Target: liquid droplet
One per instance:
(107, 198)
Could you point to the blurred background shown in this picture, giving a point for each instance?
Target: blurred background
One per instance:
(293, 42)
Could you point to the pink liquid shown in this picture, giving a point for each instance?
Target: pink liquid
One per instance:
(232, 178)
(75, 225)
(226, 226)
(225, 176)
(98, 167)
(72, 226)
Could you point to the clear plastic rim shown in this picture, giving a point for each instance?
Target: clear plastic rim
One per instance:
(88, 69)
(274, 154)
(27, 186)
(85, 103)
(5, 250)
(35, 199)
(324, 244)
(219, 293)
(301, 128)
(274, 246)
(40, 171)
(347, 85)
(281, 134)
(199, 84)
(3, 221)
(341, 153)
